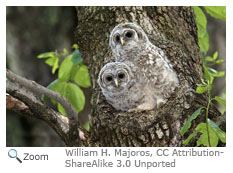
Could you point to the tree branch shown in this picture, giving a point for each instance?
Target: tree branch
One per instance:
(18, 106)
(41, 90)
(23, 101)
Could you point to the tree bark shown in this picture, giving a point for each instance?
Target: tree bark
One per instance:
(174, 30)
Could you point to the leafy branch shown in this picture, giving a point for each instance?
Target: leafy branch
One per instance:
(210, 132)
(72, 74)
(203, 37)
(23, 95)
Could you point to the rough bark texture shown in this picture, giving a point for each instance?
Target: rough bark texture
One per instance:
(24, 101)
(174, 30)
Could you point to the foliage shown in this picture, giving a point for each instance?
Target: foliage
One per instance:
(72, 74)
(210, 132)
(216, 12)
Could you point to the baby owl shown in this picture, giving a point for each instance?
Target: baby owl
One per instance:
(154, 74)
(123, 87)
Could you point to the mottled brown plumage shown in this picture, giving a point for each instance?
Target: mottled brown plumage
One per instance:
(130, 45)
(121, 86)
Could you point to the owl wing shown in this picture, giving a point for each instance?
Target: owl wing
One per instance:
(159, 72)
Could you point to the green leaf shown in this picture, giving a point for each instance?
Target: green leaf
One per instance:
(81, 76)
(65, 51)
(203, 37)
(75, 95)
(209, 58)
(76, 57)
(188, 123)
(207, 74)
(215, 56)
(201, 89)
(219, 61)
(220, 100)
(211, 70)
(86, 126)
(56, 86)
(64, 72)
(221, 134)
(46, 55)
(203, 140)
(44, 97)
(61, 88)
(55, 66)
(200, 17)
(215, 73)
(51, 61)
(218, 12)
(186, 141)
(61, 109)
(75, 46)
(219, 74)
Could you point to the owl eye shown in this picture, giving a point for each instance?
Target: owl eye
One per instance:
(128, 34)
(121, 75)
(117, 38)
(108, 78)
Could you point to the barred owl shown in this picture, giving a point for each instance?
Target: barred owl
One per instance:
(130, 45)
(124, 88)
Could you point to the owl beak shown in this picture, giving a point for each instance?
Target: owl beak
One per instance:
(116, 82)
(122, 41)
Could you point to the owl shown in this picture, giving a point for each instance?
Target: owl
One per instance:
(123, 88)
(130, 45)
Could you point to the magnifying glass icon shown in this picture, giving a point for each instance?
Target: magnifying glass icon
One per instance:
(13, 154)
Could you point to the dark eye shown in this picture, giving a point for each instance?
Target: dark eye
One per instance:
(121, 75)
(109, 78)
(128, 34)
(117, 38)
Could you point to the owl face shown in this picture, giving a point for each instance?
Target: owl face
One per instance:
(126, 35)
(114, 77)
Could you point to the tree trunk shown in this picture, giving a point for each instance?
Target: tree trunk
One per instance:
(174, 30)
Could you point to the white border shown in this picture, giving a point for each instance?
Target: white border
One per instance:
(115, 3)
(3, 76)
(186, 164)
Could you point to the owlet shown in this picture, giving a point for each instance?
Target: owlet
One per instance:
(123, 88)
(130, 44)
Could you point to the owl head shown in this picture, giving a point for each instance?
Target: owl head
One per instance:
(115, 77)
(126, 35)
